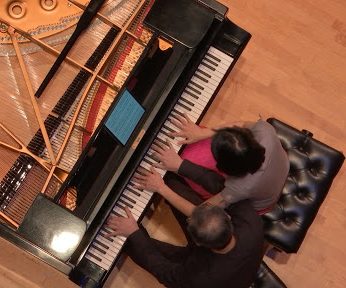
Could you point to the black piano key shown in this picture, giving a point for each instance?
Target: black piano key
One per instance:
(133, 191)
(94, 256)
(178, 112)
(200, 77)
(204, 73)
(116, 214)
(194, 89)
(148, 161)
(168, 128)
(98, 249)
(128, 198)
(214, 57)
(187, 102)
(208, 66)
(101, 244)
(197, 85)
(120, 206)
(104, 235)
(211, 62)
(191, 94)
(126, 203)
(184, 106)
(166, 134)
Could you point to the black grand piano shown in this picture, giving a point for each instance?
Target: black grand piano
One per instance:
(193, 48)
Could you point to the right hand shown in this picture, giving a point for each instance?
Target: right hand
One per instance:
(168, 159)
(189, 130)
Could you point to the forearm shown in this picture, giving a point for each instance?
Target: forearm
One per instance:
(217, 200)
(208, 179)
(177, 201)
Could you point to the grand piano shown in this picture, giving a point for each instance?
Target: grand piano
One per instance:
(86, 91)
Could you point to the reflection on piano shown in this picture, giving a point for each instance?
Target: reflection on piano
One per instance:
(167, 58)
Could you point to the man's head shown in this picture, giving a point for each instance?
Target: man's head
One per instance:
(236, 151)
(210, 227)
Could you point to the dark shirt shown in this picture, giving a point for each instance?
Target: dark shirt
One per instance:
(197, 267)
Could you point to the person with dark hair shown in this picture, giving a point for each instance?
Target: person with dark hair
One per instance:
(224, 248)
(228, 164)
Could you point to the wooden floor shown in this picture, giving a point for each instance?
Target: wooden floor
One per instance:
(294, 69)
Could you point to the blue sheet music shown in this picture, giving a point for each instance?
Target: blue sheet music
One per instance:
(124, 117)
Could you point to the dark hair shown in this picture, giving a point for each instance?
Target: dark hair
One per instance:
(236, 151)
(210, 227)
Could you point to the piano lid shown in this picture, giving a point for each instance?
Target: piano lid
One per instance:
(185, 21)
(52, 228)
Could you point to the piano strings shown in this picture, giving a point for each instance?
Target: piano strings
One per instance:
(66, 117)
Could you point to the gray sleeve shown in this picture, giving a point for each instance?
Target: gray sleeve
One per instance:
(232, 192)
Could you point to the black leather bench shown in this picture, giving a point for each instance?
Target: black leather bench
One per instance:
(266, 278)
(313, 166)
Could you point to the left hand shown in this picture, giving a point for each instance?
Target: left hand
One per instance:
(121, 225)
(150, 180)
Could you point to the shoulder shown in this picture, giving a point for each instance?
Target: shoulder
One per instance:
(262, 126)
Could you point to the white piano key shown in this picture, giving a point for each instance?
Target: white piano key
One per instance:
(220, 65)
(101, 263)
(209, 63)
(214, 82)
(208, 87)
(193, 116)
(105, 254)
(143, 193)
(199, 104)
(135, 206)
(100, 255)
(220, 54)
(194, 106)
(143, 201)
(214, 74)
(115, 245)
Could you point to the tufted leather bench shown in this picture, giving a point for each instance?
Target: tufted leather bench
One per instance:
(313, 166)
(266, 278)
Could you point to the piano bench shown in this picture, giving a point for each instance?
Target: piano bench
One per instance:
(266, 278)
(313, 166)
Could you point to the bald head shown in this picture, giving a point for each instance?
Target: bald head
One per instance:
(210, 227)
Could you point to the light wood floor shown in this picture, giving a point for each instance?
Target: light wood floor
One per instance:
(294, 69)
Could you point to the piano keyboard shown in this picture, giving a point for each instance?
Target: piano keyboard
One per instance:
(192, 102)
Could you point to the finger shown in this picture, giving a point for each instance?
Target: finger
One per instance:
(111, 234)
(159, 165)
(155, 156)
(152, 169)
(138, 176)
(188, 120)
(158, 149)
(180, 118)
(177, 124)
(184, 141)
(142, 171)
(171, 145)
(178, 134)
(139, 186)
(128, 213)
